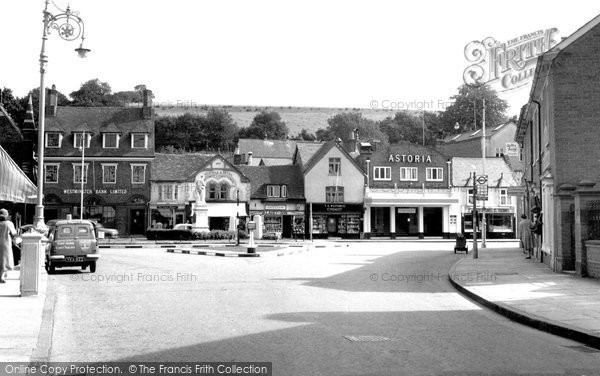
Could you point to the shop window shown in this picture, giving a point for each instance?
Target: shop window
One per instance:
(77, 173)
(435, 174)
(51, 173)
(382, 173)
(110, 140)
(334, 194)
(504, 197)
(139, 141)
(53, 140)
(109, 173)
(78, 138)
(138, 173)
(409, 173)
(335, 166)
(500, 222)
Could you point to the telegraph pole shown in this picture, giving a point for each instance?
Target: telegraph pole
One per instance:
(475, 254)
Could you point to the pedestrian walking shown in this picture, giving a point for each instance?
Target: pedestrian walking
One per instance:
(7, 231)
(526, 235)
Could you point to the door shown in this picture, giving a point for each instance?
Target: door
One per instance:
(287, 226)
(136, 221)
(332, 225)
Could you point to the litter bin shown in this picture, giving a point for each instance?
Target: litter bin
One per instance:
(461, 244)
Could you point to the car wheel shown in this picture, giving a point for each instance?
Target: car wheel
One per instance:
(93, 267)
(51, 269)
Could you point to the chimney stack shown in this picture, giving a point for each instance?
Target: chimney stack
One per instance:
(147, 103)
(249, 158)
(51, 101)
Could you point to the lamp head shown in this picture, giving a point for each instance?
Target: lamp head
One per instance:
(82, 51)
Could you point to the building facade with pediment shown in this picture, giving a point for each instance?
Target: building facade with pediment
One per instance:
(173, 190)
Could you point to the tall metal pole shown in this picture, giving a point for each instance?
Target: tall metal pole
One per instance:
(237, 216)
(483, 152)
(475, 253)
(423, 127)
(82, 172)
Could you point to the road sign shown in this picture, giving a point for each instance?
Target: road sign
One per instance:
(482, 179)
(482, 192)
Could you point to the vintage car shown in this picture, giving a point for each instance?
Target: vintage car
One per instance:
(106, 232)
(72, 243)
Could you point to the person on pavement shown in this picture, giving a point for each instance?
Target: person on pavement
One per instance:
(7, 231)
(526, 235)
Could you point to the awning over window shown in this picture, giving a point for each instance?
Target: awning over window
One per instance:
(15, 186)
(226, 209)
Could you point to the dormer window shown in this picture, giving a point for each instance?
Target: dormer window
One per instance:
(54, 140)
(139, 141)
(78, 137)
(276, 191)
(110, 140)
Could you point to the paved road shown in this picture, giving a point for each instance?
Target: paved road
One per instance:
(299, 312)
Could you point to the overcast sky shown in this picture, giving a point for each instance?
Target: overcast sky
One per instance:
(280, 53)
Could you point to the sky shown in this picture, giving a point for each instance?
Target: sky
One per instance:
(366, 54)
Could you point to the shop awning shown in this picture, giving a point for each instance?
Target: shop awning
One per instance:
(15, 186)
(226, 209)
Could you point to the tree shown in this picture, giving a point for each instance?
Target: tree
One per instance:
(462, 110)
(94, 93)
(343, 125)
(219, 129)
(266, 125)
(304, 135)
(409, 126)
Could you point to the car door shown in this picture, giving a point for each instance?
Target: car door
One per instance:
(83, 240)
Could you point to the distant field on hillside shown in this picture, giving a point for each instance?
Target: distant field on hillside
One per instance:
(296, 118)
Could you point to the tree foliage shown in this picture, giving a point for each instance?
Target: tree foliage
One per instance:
(93, 93)
(468, 104)
(343, 125)
(266, 125)
(415, 127)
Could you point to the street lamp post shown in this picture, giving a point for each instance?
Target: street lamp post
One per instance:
(70, 27)
(82, 172)
(237, 217)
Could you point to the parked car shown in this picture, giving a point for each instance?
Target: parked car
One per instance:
(108, 232)
(72, 243)
(183, 226)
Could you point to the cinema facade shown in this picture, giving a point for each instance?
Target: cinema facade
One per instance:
(409, 193)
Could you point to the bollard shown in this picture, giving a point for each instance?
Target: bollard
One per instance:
(32, 262)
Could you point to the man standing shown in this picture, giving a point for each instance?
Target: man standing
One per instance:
(526, 235)
(7, 231)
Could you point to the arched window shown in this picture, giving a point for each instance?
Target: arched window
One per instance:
(212, 191)
(224, 189)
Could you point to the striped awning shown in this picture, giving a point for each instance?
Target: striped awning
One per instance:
(15, 186)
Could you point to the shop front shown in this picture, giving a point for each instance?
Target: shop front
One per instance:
(286, 220)
(336, 220)
(501, 222)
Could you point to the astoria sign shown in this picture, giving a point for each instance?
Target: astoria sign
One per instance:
(510, 64)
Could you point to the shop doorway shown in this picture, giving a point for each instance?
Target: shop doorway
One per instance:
(136, 221)
(433, 221)
(380, 221)
(287, 226)
(332, 225)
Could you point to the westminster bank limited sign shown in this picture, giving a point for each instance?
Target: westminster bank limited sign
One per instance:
(507, 65)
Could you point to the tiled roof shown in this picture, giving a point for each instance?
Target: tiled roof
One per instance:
(305, 151)
(498, 172)
(260, 176)
(267, 148)
(110, 128)
(474, 134)
(125, 119)
(177, 167)
(273, 162)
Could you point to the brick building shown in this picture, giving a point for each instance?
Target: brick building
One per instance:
(118, 153)
(558, 131)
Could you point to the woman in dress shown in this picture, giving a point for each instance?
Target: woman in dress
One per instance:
(7, 231)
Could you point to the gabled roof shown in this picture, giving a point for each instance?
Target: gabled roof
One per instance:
(305, 151)
(81, 128)
(110, 128)
(476, 134)
(261, 176)
(498, 172)
(177, 167)
(322, 152)
(125, 119)
(192, 175)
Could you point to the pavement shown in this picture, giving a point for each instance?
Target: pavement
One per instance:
(528, 292)
(22, 317)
